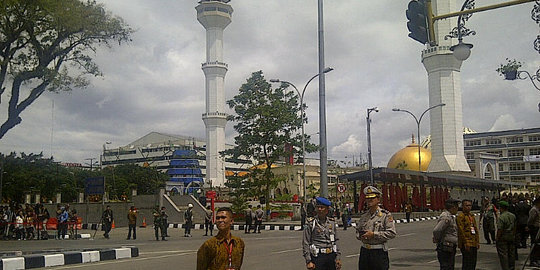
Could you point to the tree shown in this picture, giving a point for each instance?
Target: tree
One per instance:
(267, 122)
(39, 38)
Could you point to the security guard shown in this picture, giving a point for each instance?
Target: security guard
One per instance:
(320, 240)
(375, 227)
(445, 235)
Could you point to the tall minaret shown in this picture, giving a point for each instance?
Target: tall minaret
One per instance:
(214, 15)
(444, 82)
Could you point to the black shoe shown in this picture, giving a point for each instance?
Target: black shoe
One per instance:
(157, 239)
(128, 239)
(206, 235)
(163, 239)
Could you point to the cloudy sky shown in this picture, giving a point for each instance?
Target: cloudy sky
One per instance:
(155, 83)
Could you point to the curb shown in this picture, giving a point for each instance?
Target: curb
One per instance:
(65, 258)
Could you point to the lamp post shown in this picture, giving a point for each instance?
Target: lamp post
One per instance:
(302, 108)
(369, 111)
(418, 121)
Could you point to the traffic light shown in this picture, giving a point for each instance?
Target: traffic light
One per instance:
(418, 21)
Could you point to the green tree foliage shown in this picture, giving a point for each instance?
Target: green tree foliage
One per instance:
(33, 173)
(267, 121)
(39, 39)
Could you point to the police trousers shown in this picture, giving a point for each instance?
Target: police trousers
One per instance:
(447, 259)
(373, 259)
(469, 258)
(325, 261)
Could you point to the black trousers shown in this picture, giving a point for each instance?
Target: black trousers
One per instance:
(447, 259)
(208, 225)
(373, 259)
(489, 230)
(132, 227)
(258, 224)
(535, 254)
(469, 258)
(188, 224)
(247, 227)
(325, 261)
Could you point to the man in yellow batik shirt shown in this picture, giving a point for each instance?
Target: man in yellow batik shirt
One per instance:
(468, 238)
(223, 251)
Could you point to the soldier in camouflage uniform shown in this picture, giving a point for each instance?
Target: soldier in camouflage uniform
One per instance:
(158, 223)
(319, 243)
(375, 227)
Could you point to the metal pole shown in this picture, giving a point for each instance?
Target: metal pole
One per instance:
(1, 177)
(322, 107)
(369, 147)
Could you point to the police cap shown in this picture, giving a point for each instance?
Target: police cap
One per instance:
(323, 201)
(504, 204)
(371, 192)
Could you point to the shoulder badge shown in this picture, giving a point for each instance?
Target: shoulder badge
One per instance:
(380, 214)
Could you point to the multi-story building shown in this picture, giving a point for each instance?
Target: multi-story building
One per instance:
(518, 153)
(167, 153)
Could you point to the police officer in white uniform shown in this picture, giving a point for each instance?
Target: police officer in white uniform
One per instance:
(375, 227)
(320, 240)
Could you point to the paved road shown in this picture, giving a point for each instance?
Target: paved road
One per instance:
(412, 249)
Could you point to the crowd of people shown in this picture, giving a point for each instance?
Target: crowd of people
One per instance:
(28, 222)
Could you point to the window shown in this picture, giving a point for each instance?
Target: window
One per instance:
(469, 155)
(535, 165)
(473, 143)
(514, 139)
(534, 151)
(498, 152)
(517, 166)
(535, 178)
(493, 141)
(534, 138)
(516, 152)
(501, 167)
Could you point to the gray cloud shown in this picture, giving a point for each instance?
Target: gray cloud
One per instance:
(155, 83)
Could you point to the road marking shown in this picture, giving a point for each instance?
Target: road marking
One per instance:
(166, 251)
(407, 234)
(354, 255)
(121, 261)
(433, 261)
(272, 238)
(285, 251)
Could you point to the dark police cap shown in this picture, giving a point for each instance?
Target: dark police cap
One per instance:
(451, 201)
(323, 201)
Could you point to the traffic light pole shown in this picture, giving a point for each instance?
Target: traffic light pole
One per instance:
(432, 19)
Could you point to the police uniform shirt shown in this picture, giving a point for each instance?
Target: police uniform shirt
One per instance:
(446, 229)
(319, 234)
(381, 223)
(534, 217)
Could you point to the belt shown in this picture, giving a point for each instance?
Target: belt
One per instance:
(368, 246)
(326, 250)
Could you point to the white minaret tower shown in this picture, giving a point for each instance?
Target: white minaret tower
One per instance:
(214, 15)
(444, 82)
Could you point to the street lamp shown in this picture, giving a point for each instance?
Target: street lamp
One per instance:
(302, 108)
(462, 50)
(418, 120)
(369, 111)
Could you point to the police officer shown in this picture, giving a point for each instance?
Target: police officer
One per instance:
(375, 227)
(445, 235)
(320, 240)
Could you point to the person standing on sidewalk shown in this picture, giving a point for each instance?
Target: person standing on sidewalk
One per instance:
(208, 221)
(375, 227)
(468, 238)
(132, 222)
(164, 222)
(506, 237)
(248, 215)
(188, 218)
(223, 251)
(408, 210)
(445, 235)
(259, 215)
(107, 219)
(488, 213)
(534, 225)
(157, 223)
(319, 243)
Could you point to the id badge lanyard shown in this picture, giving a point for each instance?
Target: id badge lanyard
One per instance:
(229, 248)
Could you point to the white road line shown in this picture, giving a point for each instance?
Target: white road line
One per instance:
(71, 266)
(285, 251)
(433, 261)
(354, 255)
(407, 234)
(166, 251)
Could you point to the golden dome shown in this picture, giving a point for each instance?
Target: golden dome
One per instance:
(407, 158)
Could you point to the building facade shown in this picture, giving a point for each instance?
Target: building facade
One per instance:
(174, 154)
(518, 153)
